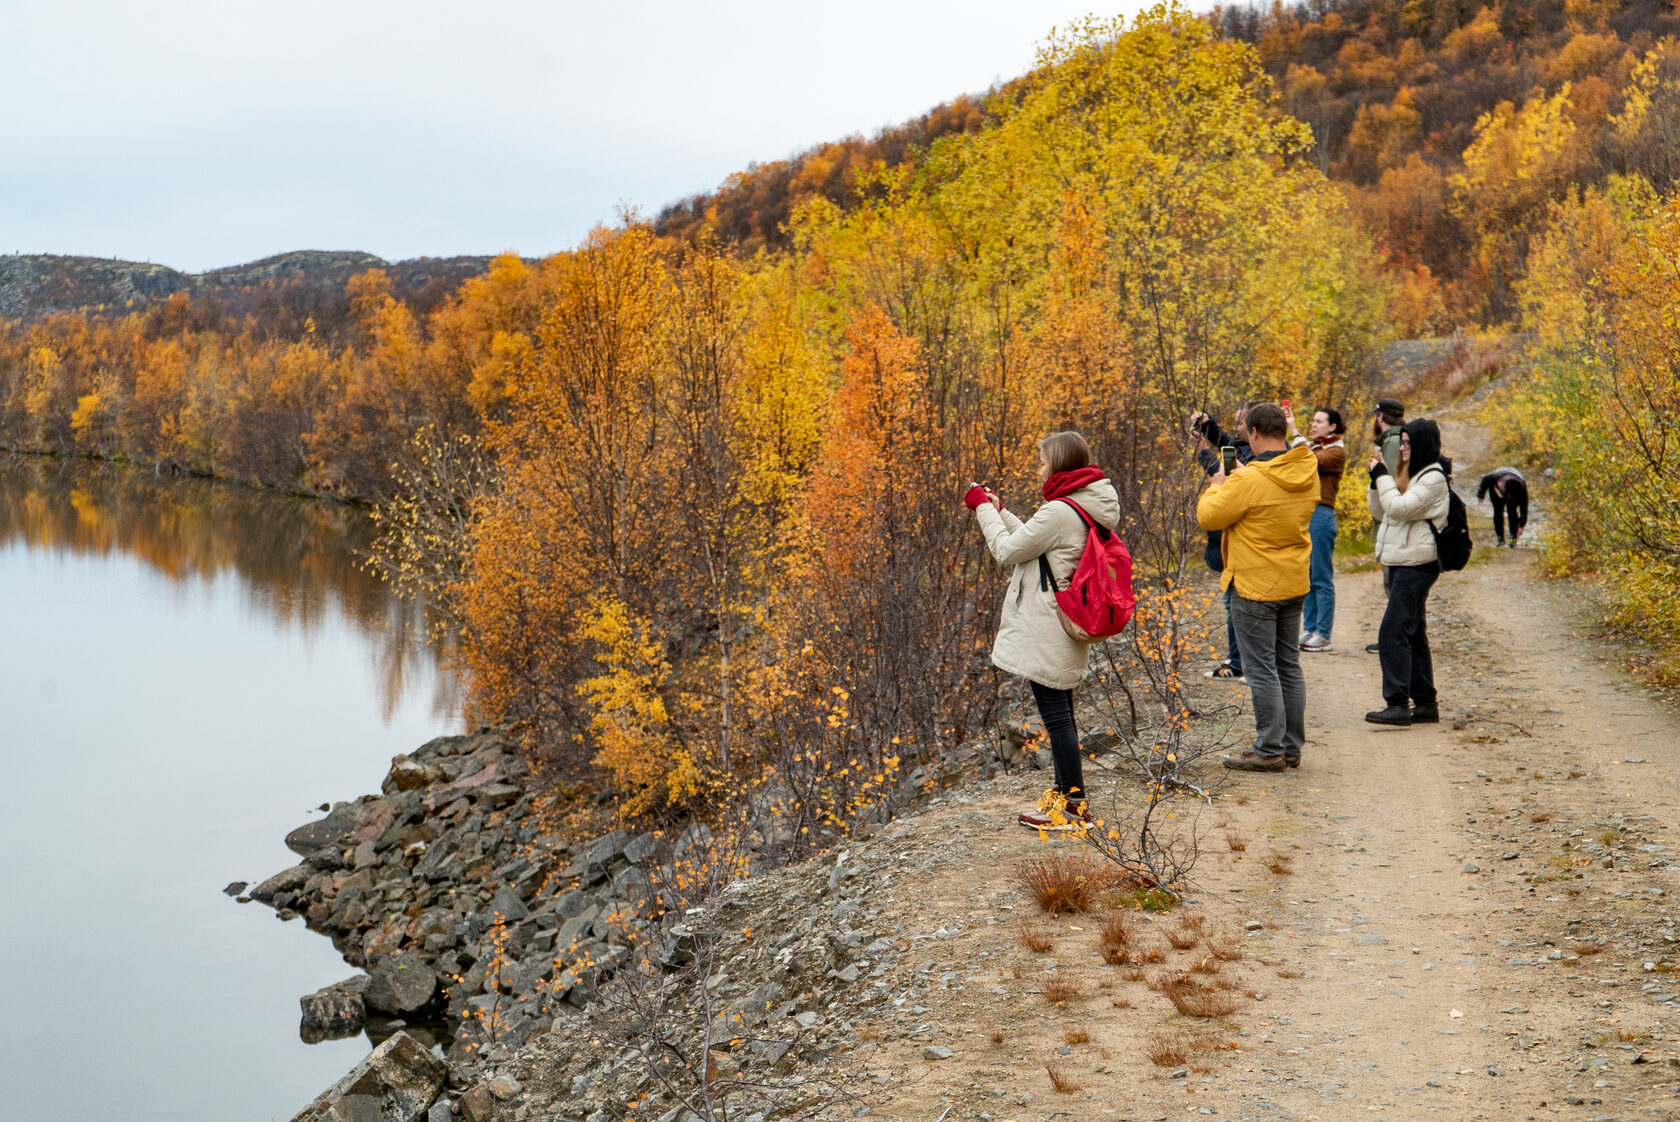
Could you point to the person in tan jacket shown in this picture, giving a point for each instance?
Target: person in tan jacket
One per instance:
(1264, 509)
(1030, 640)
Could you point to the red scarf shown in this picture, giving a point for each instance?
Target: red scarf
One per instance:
(1065, 483)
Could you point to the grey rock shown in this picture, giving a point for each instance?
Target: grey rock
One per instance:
(282, 884)
(507, 905)
(1472, 867)
(236, 888)
(441, 1112)
(575, 903)
(478, 1105)
(936, 1052)
(344, 819)
(1254, 925)
(397, 1082)
(577, 928)
(402, 983)
(505, 1086)
(336, 1008)
(647, 849)
(632, 884)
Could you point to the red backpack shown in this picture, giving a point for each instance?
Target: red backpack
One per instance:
(1098, 601)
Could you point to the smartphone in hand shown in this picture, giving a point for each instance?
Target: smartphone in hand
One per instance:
(1228, 459)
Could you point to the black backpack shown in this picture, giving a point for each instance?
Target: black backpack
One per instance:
(1452, 541)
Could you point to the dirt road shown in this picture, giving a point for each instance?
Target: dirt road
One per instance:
(1476, 922)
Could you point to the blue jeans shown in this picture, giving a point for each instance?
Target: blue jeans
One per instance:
(1318, 613)
(1233, 653)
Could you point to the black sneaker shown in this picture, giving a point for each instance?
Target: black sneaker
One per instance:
(1225, 671)
(1425, 715)
(1392, 715)
(1372, 648)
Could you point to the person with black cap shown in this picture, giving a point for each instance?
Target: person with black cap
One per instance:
(1386, 420)
(1404, 503)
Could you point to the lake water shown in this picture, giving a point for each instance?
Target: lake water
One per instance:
(187, 671)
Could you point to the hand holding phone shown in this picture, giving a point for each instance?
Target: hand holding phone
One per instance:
(1227, 459)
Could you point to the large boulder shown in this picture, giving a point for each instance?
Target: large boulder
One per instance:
(397, 1082)
(337, 1009)
(344, 819)
(401, 984)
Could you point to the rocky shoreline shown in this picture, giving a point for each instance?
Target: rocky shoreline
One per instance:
(476, 930)
(460, 911)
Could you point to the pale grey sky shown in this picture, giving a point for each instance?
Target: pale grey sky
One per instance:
(201, 133)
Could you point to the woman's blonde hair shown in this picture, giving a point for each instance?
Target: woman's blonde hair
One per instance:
(1065, 451)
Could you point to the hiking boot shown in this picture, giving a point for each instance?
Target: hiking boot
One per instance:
(1392, 715)
(1292, 761)
(1425, 715)
(1373, 648)
(1072, 819)
(1317, 644)
(1225, 670)
(1056, 812)
(1248, 761)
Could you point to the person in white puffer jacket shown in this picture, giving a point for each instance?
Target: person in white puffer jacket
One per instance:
(1403, 509)
(1030, 640)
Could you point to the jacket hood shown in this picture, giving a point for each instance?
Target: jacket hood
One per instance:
(1294, 471)
(1425, 440)
(1100, 500)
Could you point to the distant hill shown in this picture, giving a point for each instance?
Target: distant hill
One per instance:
(40, 284)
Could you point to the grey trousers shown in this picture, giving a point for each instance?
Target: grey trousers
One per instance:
(1269, 636)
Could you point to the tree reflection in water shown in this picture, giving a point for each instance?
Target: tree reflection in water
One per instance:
(299, 559)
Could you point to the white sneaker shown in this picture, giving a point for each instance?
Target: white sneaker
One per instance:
(1317, 644)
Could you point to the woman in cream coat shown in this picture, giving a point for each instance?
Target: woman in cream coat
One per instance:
(1030, 640)
(1403, 509)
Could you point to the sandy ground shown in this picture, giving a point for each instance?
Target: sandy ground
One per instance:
(1476, 922)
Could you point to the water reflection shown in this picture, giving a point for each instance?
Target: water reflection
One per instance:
(299, 560)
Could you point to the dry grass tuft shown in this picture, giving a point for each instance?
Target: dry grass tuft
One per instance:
(1167, 1050)
(1060, 992)
(1241, 800)
(1154, 954)
(1032, 940)
(997, 1036)
(1193, 999)
(1587, 949)
(1064, 1084)
(1063, 884)
(1121, 1003)
(1289, 972)
(1225, 952)
(869, 1034)
(1238, 845)
(1540, 816)
(1208, 965)
(1132, 975)
(1077, 1036)
(1280, 864)
(1114, 939)
(1183, 940)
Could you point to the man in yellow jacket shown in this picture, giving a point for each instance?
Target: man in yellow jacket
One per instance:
(1265, 508)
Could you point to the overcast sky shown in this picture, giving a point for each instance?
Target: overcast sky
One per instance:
(201, 133)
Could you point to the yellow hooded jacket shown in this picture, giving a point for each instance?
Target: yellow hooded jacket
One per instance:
(1264, 509)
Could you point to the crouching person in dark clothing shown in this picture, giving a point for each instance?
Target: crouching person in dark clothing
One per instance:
(1403, 504)
(1509, 492)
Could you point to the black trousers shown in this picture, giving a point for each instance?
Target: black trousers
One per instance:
(1056, 707)
(1515, 501)
(1403, 640)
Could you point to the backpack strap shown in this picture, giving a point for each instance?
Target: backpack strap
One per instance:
(1103, 532)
